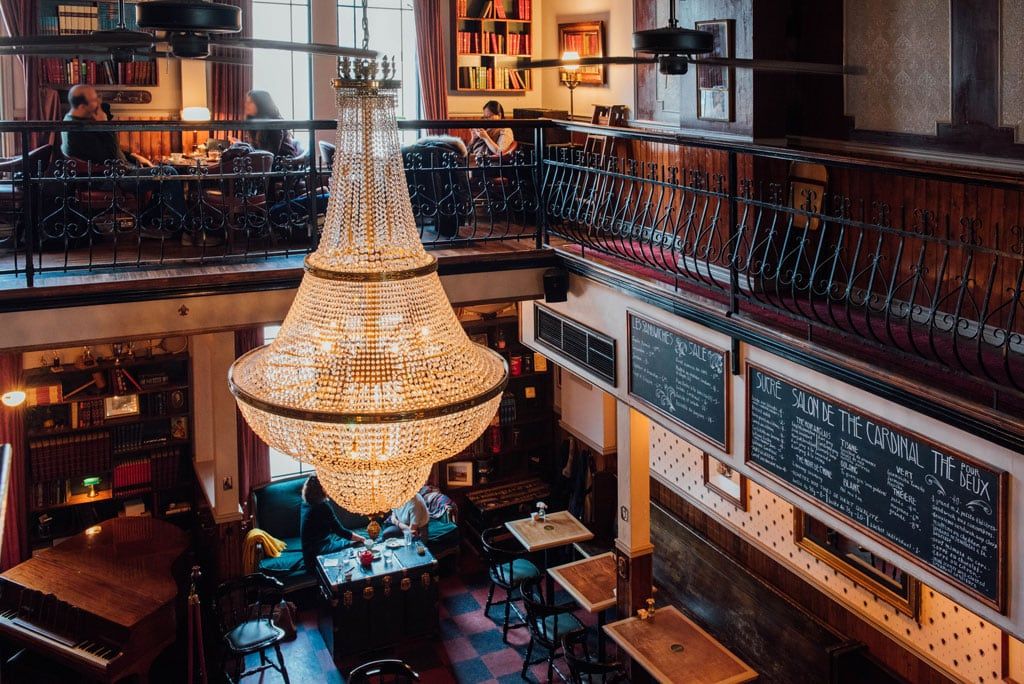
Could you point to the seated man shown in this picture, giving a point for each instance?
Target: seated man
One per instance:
(320, 530)
(99, 147)
(412, 516)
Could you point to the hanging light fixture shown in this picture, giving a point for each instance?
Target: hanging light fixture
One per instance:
(372, 378)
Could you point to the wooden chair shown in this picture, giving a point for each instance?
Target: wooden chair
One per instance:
(507, 569)
(239, 202)
(12, 194)
(604, 115)
(548, 624)
(585, 670)
(245, 609)
(381, 671)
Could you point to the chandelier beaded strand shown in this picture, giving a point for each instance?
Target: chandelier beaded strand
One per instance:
(371, 379)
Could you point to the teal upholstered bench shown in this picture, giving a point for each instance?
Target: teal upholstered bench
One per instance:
(277, 509)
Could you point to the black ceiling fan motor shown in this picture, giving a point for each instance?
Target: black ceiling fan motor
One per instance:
(188, 16)
(189, 45)
(673, 65)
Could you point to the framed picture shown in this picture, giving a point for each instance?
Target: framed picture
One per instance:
(481, 338)
(586, 38)
(725, 482)
(880, 577)
(459, 473)
(179, 427)
(120, 406)
(716, 88)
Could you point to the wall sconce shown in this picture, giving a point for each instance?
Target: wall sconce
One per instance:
(13, 398)
(570, 77)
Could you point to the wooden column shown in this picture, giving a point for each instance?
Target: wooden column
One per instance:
(633, 549)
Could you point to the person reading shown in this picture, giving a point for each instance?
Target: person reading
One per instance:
(412, 516)
(319, 528)
(491, 142)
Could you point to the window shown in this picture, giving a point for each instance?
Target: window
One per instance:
(283, 465)
(392, 33)
(285, 75)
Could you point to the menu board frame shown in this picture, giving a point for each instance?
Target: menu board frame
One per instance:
(1002, 478)
(726, 392)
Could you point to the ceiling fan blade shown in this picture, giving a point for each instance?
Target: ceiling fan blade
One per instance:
(583, 61)
(315, 48)
(780, 66)
(216, 59)
(99, 39)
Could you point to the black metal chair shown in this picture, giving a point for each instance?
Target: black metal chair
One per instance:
(585, 670)
(507, 568)
(548, 624)
(245, 609)
(381, 671)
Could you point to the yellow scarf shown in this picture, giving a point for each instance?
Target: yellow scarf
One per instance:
(272, 548)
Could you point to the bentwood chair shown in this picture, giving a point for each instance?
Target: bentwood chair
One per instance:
(583, 669)
(507, 569)
(548, 625)
(381, 671)
(245, 608)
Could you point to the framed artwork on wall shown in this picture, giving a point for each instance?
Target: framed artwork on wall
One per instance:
(586, 38)
(726, 482)
(121, 406)
(877, 575)
(459, 474)
(716, 85)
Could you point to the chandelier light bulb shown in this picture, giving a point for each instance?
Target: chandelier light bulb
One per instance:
(372, 378)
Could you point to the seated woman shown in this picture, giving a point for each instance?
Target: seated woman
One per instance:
(260, 105)
(320, 529)
(491, 142)
(412, 515)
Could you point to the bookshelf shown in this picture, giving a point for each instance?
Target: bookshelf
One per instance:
(82, 17)
(127, 423)
(520, 441)
(489, 37)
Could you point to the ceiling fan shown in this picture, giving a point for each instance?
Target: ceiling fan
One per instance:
(673, 48)
(188, 28)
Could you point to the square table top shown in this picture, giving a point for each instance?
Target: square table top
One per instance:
(558, 529)
(591, 581)
(673, 649)
(406, 558)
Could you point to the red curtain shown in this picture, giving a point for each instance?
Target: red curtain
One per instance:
(21, 18)
(228, 83)
(253, 454)
(12, 431)
(430, 59)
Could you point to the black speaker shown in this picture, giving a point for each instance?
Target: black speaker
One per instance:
(556, 285)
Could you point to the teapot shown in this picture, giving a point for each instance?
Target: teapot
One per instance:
(366, 558)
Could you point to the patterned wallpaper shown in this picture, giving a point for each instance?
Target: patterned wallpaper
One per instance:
(1012, 67)
(950, 637)
(904, 46)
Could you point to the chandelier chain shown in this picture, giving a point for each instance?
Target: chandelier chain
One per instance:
(366, 27)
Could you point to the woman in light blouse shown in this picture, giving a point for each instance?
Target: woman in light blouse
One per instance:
(491, 142)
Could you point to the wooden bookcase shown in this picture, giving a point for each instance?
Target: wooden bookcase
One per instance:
(489, 37)
(128, 423)
(81, 17)
(521, 439)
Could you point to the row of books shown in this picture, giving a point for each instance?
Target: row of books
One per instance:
(54, 458)
(50, 493)
(60, 71)
(81, 19)
(477, 42)
(583, 44)
(86, 414)
(495, 9)
(137, 436)
(494, 78)
(132, 476)
(166, 467)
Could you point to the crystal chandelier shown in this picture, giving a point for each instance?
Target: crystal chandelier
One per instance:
(371, 379)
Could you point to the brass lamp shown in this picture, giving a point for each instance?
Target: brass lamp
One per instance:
(570, 77)
(371, 379)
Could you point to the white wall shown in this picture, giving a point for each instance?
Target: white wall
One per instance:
(617, 16)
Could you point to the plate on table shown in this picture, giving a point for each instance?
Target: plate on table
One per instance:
(394, 543)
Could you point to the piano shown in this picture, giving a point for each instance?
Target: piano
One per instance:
(102, 602)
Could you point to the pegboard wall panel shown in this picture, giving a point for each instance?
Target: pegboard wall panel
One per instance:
(950, 637)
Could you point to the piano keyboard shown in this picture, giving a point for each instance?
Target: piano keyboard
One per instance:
(99, 654)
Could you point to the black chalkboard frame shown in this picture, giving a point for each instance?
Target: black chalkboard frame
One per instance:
(726, 394)
(1002, 508)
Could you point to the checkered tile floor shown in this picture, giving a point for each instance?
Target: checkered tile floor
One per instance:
(469, 650)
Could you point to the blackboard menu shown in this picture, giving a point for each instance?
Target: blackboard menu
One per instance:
(679, 376)
(934, 506)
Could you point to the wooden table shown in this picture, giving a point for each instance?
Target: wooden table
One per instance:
(557, 529)
(591, 582)
(675, 650)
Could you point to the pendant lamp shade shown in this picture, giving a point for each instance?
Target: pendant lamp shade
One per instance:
(371, 378)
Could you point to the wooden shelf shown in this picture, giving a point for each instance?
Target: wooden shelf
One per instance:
(106, 425)
(515, 38)
(76, 500)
